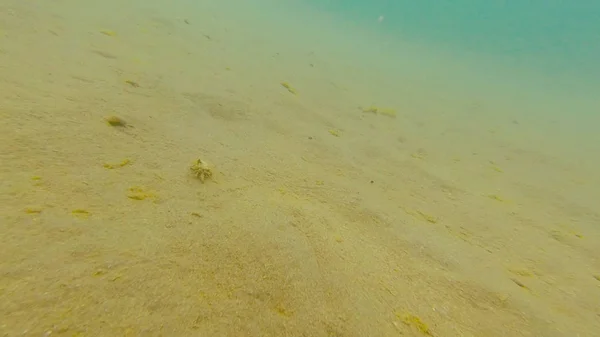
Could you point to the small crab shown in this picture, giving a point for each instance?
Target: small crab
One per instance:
(202, 170)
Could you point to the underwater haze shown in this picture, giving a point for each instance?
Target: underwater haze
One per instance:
(299, 168)
(555, 37)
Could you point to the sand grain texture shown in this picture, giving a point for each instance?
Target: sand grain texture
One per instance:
(415, 224)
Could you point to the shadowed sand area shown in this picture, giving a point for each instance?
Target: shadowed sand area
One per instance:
(348, 197)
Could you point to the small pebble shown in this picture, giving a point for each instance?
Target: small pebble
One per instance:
(115, 121)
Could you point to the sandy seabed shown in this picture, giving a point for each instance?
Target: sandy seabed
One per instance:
(347, 202)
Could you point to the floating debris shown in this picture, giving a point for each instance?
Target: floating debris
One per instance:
(522, 272)
(138, 193)
(495, 167)
(427, 217)
(415, 322)
(81, 213)
(520, 284)
(33, 210)
(108, 33)
(497, 198)
(289, 88)
(114, 166)
(380, 111)
(132, 83)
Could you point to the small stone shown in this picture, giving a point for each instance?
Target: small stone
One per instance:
(116, 121)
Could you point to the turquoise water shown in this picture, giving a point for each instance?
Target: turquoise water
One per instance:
(537, 59)
(557, 37)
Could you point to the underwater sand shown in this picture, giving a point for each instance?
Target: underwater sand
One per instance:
(354, 202)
